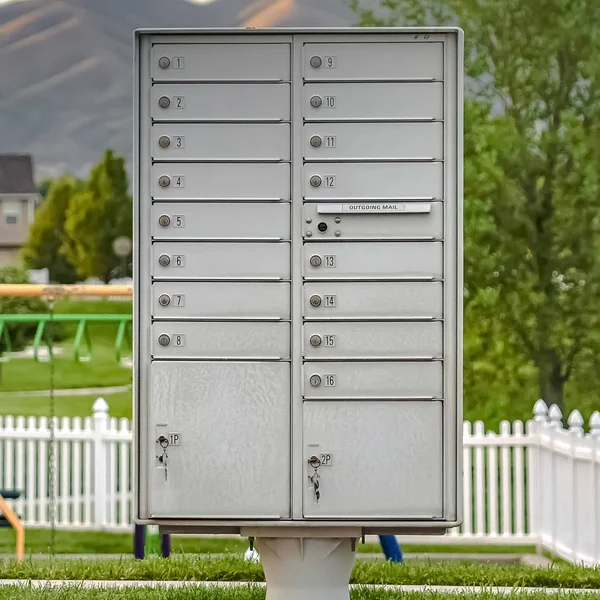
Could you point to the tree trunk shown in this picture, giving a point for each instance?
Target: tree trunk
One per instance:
(551, 379)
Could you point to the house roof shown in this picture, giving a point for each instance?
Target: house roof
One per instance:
(16, 174)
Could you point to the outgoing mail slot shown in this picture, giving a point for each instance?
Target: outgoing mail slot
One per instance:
(219, 181)
(381, 181)
(219, 221)
(373, 141)
(374, 300)
(399, 470)
(225, 340)
(373, 101)
(375, 260)
(364, 61)
(221, 102)
(221, 142)
(373, 340)
(220, 300)
(374, 220)
(216, 260)
(348, 380)
(220, 62)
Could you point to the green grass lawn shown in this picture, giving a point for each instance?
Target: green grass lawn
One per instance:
(184, 567)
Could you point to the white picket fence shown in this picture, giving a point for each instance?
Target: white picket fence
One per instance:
(534, 483)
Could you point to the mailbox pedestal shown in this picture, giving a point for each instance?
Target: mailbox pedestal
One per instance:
(308, 568)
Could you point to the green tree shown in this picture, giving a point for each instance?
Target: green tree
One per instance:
(98, 215)
(47, 233)
(532, 67)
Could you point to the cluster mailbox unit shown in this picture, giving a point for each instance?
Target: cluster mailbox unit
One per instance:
(298, 280)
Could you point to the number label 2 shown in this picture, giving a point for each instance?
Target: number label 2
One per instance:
(178, 102)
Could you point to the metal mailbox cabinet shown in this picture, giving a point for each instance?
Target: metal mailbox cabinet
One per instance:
(298, 280)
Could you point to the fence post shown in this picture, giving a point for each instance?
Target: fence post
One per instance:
(575, 422)
(100, 421)
(534, 484)
(595, 433)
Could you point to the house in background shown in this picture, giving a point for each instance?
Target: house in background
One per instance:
(19, 198)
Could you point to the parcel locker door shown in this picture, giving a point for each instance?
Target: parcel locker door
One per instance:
(398, 474)
(220, 221)
(373, 141)
(373, 101)
(220, 62)
(333, 300)
(221, 102)
(221, 142)
(374, 181)
(366, 61)
(361, 381)
(374, 260)
(373, 221)
(176, 300)
(225, 340)
(220, 181)
(220, 260)
(232, 422)
(372, 340)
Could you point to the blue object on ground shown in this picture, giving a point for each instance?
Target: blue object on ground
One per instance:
(391, 548)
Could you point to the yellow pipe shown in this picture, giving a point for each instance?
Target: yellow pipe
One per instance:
(17, 525)
(52, 291)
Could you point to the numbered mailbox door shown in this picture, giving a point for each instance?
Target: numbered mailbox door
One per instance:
(397, 475)
(392, 181)
(373, 141)
(333, 300)
(220, 62)
(175, 300)
(373, 101)
(364, 61)
(223, 141)
(216, 260)
(220, 221)
(221, 102)
(373, 340)
(374, 220)
(348, 380)
(375, 260)
(221, 181)
(233, 430)
(228, 340)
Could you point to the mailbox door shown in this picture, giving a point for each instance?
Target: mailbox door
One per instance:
(364, 61)
(216, 260)
(373, 141)
(220, 221)
(376, 260)
(221, 142)
(219, 181)
(221, 102)
(370, 220)
(397, 474)
(227, 341)
(368, 101)
(331, 300)
(375, 181)
(234, 434)
(372, 340)
(220, 300)
(220, 62)
(372, 380)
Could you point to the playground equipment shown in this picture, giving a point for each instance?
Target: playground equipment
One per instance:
(10, 519)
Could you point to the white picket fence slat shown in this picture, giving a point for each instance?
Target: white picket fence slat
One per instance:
(533, 483)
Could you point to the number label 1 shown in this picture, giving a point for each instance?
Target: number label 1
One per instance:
(330, 62)
(178, 221)
(329, 300)
(330, 181)
(329, 102)
(329, 261)
(178, 102)
(329, 340)
(179, 339)
(329, 380)
(178, 299)
(179, 260)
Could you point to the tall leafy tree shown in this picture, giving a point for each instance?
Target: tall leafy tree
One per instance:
(96, 217)
(47, 232)
(532, 181)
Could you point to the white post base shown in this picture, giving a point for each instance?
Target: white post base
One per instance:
(307, 568)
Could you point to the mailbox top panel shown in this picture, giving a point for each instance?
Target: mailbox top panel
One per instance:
(220, 62)
(368, 61)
